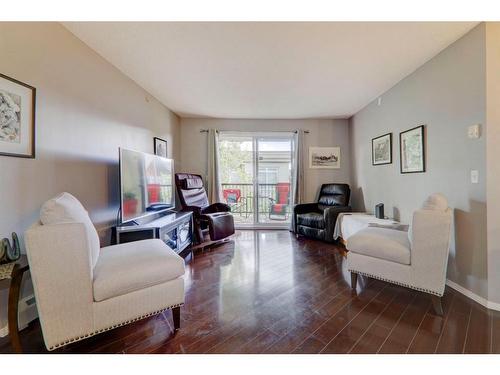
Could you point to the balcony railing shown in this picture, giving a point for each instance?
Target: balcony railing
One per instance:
(244, 206)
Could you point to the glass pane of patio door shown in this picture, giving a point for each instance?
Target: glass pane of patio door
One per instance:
(236, 169)
(274, 177)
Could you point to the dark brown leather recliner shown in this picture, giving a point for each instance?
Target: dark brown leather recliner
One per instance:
(215, 218)
(317, 220)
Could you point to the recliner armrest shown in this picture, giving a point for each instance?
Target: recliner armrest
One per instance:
(305, 207)
(216, 207)
(331, 214)
(335, 210)
(195, 210)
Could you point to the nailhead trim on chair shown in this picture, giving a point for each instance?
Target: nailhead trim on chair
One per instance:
(398, 283)
(64, 343)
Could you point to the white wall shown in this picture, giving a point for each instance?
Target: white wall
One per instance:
(85, 110)
(322, 133)
(447, 94)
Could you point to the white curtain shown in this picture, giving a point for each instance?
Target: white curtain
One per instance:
(213, 186)
(298, 171)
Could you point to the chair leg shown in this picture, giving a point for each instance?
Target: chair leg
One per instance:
(176, 314)
(436, 303)
(198, 233)
(15, 288)
(354, 280)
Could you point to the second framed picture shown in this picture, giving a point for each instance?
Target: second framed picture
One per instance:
(382, 149)
(412, 150)
(160, 146)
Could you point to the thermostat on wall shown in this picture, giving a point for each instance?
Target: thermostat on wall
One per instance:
(474, 131)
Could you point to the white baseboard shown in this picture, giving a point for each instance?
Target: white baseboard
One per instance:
(473, 296)
(27, 313)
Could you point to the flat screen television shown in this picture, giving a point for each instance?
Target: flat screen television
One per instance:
(146, 184)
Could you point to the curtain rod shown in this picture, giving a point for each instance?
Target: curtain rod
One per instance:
(265, 131)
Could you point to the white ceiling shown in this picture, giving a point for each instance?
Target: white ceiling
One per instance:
(267, 70)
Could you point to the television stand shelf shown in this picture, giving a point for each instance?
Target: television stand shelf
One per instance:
(175, 229)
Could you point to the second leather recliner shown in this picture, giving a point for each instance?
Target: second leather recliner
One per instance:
(317, 220)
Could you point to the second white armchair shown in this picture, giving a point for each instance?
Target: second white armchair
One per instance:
(415, 259)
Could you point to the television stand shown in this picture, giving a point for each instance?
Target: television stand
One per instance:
(175, 229)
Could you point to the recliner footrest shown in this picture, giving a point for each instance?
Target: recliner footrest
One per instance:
(220, 225)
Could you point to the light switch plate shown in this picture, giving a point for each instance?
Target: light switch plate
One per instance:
(474, 176)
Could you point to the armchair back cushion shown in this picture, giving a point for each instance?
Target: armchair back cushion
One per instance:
(334, 195)
(65, 208)
(191, 190)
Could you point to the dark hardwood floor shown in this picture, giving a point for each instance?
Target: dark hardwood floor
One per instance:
(268, 292)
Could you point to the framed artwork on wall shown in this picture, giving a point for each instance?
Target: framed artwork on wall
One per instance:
(382, 149)
(160, 146)
(17, 118)
(412, 150)
(324, 157)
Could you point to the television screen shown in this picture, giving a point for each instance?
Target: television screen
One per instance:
(146, 184)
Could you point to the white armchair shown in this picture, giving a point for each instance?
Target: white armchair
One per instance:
(415, 259)
(82, 290)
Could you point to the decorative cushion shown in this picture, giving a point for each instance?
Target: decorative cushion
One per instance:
(124, 268)
(436, 201)
(65, 208)
(382, 243)
(311, 219)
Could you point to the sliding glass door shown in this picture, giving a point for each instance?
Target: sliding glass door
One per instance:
(256, 172)
(274, 178)
(236, 169)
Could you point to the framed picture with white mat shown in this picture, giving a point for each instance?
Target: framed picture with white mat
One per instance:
(17, 118)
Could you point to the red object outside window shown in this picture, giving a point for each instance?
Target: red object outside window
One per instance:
(153, 193)
(282, 199)
(231, 195)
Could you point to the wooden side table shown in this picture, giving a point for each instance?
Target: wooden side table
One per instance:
(14, 271)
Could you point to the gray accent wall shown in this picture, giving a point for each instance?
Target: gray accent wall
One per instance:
(447, 95)
(85, 110)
